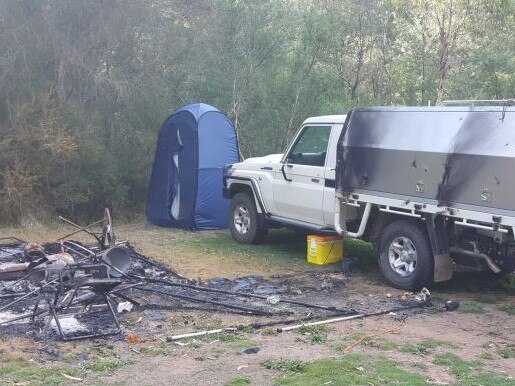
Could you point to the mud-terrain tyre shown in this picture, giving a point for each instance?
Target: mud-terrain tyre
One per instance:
(405, 256)
(244, 221)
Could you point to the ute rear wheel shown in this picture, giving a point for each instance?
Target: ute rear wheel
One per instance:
(244, 222)
(405, 256)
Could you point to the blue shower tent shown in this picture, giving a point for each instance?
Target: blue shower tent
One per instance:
(194, 145)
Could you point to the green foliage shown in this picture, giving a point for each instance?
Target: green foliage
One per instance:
(468, 373)
(20, 371)
(222, 337)
(243, 344)
(352, 369)
(107, 365)
(422, 348)
(363, 251)
(507, 352)
(471, 308)
(487, 299)
(508, 284)
(240, 381)
(85, 85)
(317, 334)
(283, 247)
(160, 350)
(508, 308)
(286, 365)
(365, 340)
(269, 332)
(486, 356)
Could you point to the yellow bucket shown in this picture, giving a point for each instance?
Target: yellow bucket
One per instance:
(324, 249)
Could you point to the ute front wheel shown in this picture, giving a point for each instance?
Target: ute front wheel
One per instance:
(244, 221)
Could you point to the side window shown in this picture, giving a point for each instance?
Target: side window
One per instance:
(311, 146)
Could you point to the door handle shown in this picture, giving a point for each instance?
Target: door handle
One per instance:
(317, 180)
(267, 168)
(289, 165)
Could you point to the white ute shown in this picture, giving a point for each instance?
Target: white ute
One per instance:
(430, 187)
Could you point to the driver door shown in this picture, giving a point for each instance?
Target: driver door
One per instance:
(299, 196)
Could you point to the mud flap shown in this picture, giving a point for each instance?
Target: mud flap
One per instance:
(440, 245)
(443, 268)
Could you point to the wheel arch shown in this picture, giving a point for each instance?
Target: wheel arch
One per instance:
(380, 220)
(247, 186)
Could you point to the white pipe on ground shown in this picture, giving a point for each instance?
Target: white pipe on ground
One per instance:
(327, 321)
(200, 333)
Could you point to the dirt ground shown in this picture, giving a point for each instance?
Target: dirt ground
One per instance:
(441, 347)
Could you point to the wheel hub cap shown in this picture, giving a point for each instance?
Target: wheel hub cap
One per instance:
(402, 256)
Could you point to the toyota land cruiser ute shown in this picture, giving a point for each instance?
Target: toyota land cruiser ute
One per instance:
(431, 188)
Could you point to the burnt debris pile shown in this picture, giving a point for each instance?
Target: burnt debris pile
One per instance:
(68, 290)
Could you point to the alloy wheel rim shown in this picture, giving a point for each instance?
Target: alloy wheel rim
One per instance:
(402, 256)
(242, 219)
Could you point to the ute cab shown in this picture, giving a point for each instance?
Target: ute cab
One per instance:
(296, 188)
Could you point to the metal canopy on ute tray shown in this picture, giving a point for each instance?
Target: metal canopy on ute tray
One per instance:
(460, 157)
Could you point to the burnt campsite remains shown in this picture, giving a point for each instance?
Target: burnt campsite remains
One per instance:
(68, 290)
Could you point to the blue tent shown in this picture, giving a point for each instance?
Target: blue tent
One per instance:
(185, 191)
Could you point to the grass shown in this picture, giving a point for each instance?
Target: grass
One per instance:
(471, 308)
(421, 366)
(486, 356)
(160, 350)
(40, 233)
(284, 249)
(507, 352)
(15, 368)
(286, 365)
(240, 381)
(487, 299)
(363, 251)
(280, 244)
(352, 369)
(222, 337)
(487, 286)
(508, 284)
(243, 344)
(317, 334)
(508, 308)
(107, 365)
(376, 342)
(235, 341)
(422, 348)
(467, 373)
(21, 371)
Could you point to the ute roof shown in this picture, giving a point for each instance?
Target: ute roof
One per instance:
(326, 119)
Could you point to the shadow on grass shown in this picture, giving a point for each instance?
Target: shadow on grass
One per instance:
(279, 243)
(282, 245)
(477, 282)
(282, 248)
(287, 247)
